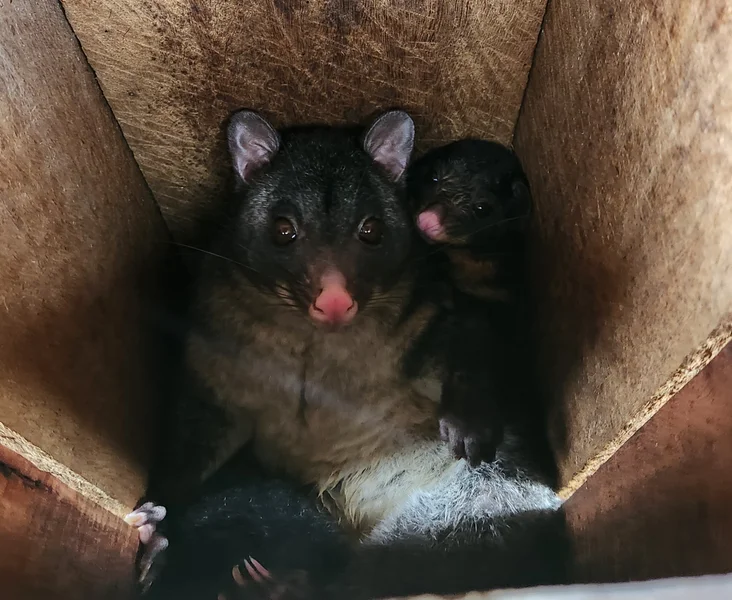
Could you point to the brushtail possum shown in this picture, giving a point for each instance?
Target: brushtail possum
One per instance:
(308, 302)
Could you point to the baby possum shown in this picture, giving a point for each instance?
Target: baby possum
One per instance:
(307, 304)
(471, 198)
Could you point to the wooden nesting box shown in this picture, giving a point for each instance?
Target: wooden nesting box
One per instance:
(111, 147)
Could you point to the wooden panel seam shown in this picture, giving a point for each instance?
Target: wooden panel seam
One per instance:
(111, 113)
(692, 366)
(539, 35)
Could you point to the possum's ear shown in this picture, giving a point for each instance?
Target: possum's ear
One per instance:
(252, 142)
(390, 140)
(521, 196)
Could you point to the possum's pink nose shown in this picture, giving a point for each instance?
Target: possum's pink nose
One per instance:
(334, 305)
(429, 223)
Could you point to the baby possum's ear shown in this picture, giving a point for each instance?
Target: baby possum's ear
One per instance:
(521, 198)
(390, 140)
(252, 142)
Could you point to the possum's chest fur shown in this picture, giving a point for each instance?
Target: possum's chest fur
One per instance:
(334, 409)
(476, 276)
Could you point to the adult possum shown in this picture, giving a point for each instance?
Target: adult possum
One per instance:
(298, 343)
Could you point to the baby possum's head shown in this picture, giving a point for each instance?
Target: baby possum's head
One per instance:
(468, 192)
(322, 222)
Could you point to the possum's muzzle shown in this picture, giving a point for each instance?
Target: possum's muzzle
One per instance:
(333, 305)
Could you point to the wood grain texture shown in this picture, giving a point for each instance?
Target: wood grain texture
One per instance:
(626, 135)
(55, 544)
(172, 71)
(81, 241)
(660, 507)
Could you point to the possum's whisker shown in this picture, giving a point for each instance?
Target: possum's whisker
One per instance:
(487, 226)
(215, 255)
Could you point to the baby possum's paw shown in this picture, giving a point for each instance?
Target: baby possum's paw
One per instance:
(470, 422)
(146, 519)
(470, 441)
(259, 584)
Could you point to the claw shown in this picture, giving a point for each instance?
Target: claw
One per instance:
(155, 546)
(146, 533)
(266, 586)
(253, 572)
(238, 577)
(258, 567)
(148, 513)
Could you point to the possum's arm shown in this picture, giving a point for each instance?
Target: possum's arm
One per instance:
(197, 436)
(471, 351)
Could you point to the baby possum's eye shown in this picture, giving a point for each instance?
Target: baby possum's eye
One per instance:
(482, 209)
(283, 231)
(371, 231)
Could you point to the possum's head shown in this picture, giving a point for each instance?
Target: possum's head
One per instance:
(322, 222)
(468, 192)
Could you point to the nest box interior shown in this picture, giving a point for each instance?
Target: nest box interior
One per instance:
(112, 148)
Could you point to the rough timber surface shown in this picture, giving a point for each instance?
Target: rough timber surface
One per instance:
(626, 135)
(57, 545)
(172, 71)
(79, 232)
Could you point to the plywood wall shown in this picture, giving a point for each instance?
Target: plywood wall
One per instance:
(81, 241)
(660, 507)
(626, 135)
(173, 70)
(56, 544)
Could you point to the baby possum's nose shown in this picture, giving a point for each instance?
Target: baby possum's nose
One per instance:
(429, 222)
(333, 305)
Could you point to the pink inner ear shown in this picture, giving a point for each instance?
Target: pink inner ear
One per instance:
(429, 222)
(388, 157)
(257, 156)
(390, 141)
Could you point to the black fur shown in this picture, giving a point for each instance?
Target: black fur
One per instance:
(482, 340)
(241, 512)
(466, 175)
(323, 181)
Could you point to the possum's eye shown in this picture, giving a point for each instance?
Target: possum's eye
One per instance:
(371, 231)
(283, 231)
(435, 178)
(482, 209)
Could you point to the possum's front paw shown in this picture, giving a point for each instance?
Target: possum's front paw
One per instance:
(470, 418)
(469, 440)
(260, 584)
(146, 519)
